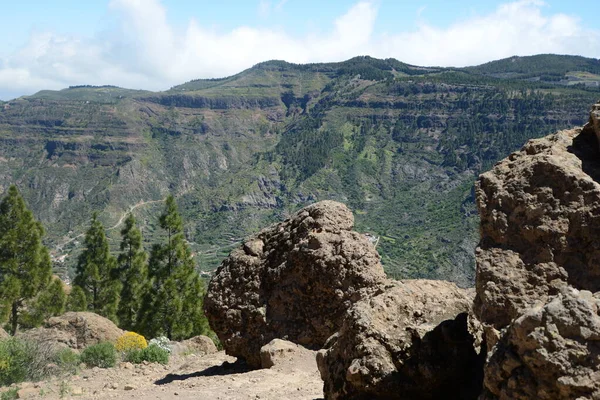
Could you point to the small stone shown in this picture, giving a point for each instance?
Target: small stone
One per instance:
(27, 393)
(77, 391)
(114, 385)
(128, 387)
(126, 365)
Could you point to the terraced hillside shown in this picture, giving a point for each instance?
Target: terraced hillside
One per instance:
(400, 144)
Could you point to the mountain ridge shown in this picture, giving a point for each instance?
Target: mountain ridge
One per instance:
(248, 150)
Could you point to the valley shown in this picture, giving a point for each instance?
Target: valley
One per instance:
(400, 144)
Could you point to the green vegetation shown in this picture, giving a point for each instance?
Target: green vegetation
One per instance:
(68, 360)
(25, 267)
(77, 300)
(133, 272)
(400, 144)
(152, 354)
(97, 272)
(22, 360)
(173, 304)
(50, 302)
(102, 355)
(11, 394)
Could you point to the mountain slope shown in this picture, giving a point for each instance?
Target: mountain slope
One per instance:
(400, 144)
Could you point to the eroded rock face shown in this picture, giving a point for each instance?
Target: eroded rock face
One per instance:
(76, 330)
(550, 352)
(294, 281)
(411, 340)
(540, 222)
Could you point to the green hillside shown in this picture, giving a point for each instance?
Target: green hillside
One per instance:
(400, 144)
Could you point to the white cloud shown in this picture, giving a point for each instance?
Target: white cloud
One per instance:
(146, 52)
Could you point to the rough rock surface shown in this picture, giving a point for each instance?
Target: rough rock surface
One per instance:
(200, 345)
(294, 281)
(76, 330)
(414, 338)
(595, 119)
(540, 220)
(550, 352)
(278, 352)
(3, 334)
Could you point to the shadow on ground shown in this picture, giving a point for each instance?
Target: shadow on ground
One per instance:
(227, 368)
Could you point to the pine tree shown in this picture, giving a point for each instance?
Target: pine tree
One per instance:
(134, 274)
(49, 303)
(173, 305)
(96, 273)
(25, 265)
(76, 301)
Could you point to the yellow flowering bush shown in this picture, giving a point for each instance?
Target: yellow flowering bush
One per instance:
(131, 341)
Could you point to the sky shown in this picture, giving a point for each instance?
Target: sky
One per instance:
(156, 44)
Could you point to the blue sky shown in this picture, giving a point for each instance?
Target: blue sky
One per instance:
(154, 44)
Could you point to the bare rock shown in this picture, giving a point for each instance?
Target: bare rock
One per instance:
(595, 119)
(200, 345)
(76, 330)
(294, 280)
(540, 218)
(77, 391)
(28, 393)
(278, 351)
(550, 352)
(413, 338)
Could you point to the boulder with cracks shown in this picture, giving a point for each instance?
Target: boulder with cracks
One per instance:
(293, 281)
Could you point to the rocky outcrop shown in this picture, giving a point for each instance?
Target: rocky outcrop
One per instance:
(76, 330)
(294, 280)
(411, 340)
(540, 218)
(537, 266)
(3, 334)
(550, 352)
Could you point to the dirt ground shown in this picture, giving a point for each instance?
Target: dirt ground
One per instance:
(214, 376)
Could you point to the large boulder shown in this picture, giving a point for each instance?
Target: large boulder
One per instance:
(550, 352)
(540, 222)
(294, 281)
(3, 334)
(76, 330)
(412, 340)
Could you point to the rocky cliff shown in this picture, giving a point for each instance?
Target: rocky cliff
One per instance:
(537, 266)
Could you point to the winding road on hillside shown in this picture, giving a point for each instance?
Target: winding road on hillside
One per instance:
(115, 226)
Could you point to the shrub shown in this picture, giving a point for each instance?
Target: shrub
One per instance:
(130, 341)
(162, 342)
(23, 360)
(152, 353)
(10, 394)
(101, 355)
(67, 360)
